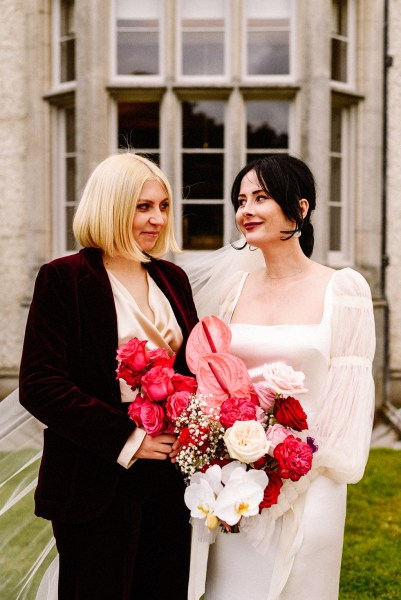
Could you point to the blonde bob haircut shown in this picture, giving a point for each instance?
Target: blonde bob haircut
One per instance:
(105, 214)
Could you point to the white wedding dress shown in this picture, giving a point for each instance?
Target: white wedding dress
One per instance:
(293, 549)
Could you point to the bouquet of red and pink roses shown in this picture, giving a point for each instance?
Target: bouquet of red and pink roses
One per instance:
(239, 440)
(161, 394)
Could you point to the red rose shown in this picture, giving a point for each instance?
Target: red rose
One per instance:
(260, 463)
(236, 409)
(294, 457)
(272, 490)
(159, 357)
(289, 412)
(176, 404)
(183, 383)
(133, 354)
(131, 377)
(156, 383)
(198, 437)
(153, 417)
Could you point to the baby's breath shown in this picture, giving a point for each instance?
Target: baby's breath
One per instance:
(205, 429)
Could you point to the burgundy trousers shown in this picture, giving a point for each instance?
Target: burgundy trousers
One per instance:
(138, 549)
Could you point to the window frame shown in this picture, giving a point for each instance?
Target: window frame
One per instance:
(270, 79)
(131, 80)
(181, 78)
(56, 50)
(59, 184)
(351, 39)
(345, 256)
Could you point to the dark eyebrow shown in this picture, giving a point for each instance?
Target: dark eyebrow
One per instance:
(255, 192)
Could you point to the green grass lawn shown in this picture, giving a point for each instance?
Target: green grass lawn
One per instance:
(371, 567)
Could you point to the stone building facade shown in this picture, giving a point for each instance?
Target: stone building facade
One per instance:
(201, 88)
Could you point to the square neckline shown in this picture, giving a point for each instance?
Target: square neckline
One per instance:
(326, 302)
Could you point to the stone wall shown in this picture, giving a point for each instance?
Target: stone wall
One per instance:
(393, 275)
(14, 187)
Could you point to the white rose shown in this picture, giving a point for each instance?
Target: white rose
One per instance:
(246, 441)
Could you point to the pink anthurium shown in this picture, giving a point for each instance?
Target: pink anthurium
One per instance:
(223, 376)
(210, 335)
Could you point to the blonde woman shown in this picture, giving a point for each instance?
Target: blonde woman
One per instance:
(114, 497)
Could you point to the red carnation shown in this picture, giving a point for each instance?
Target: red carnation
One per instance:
(294, 457)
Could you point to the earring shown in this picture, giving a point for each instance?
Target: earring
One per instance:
(298, 233)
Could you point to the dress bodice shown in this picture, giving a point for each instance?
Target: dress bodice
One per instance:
(303, 347)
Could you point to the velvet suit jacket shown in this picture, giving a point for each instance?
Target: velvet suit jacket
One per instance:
(68, 380)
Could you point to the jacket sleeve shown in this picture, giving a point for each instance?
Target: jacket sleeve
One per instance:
(58, 381)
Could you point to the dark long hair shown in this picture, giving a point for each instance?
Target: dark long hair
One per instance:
(287, 180)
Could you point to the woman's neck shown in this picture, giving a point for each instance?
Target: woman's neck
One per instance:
(283, 265)
(120, 264)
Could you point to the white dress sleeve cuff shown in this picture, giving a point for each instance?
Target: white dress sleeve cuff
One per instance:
(126, 457)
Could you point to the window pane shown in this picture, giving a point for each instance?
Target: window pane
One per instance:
(267, 124)
(203, 53)
(335, 130)
(67, 41)
(268, 53)
(138, 125)
(67, 26)
(339, 50)
(268, 37)
(202, 37)
(70, 239)
(138, 37)
(203, 176)
(335, 179)
(339, 14)
(70, 129)
(339, 40)
(203, 124)
(335, 228)
(202, 226)
(70, 175)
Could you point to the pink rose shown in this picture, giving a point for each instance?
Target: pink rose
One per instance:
(134, 409)
(276, 434)
(156, 383)
(159, 357)
(153, 418)
(133, 354)
(294, 458)
(176, 404)
(265, 395)
(282, 379)
(236, 409)
(288, 411)
(183, 383)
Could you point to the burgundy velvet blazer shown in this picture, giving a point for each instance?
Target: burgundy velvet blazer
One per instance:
(68, 380)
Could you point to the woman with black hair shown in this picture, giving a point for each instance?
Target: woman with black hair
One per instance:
(319, 321)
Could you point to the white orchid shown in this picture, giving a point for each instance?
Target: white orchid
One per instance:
(241, 495)
(200, 495)
(213, 475)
